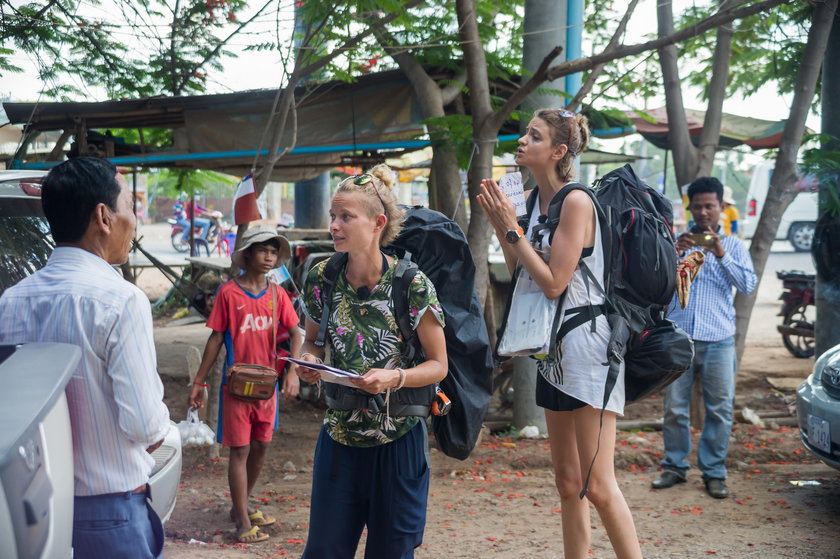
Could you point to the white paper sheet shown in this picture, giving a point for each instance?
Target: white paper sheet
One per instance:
(328, 374)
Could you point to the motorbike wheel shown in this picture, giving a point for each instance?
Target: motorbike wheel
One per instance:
(800, 317)
(178, 243)
(222, 247)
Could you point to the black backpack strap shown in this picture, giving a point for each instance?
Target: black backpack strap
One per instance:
(556, 205)
(403, 276)
(333, 268)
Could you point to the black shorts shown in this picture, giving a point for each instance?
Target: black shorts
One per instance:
(550, 398)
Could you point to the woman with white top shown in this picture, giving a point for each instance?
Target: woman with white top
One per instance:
(570, 385)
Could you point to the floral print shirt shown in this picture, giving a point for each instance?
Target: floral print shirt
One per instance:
(363, 334)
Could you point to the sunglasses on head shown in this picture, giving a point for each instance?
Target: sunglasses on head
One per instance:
(564, 113)
(363, 179)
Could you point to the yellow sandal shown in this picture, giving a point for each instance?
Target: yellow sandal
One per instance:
(258, 519)
(253, 535)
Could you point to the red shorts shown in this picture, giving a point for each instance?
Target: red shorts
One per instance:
(245, 421)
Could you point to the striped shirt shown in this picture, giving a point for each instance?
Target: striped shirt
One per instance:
(115, 394)
(710, 314)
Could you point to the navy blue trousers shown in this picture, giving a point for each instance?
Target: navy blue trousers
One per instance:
(385, 488)
(117, 527)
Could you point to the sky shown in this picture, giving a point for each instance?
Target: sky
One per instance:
(253, 70)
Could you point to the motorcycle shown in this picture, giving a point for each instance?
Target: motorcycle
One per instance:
(219, 237)
(178, 223)
(798, 312)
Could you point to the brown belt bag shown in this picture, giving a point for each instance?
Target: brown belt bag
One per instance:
(251, 382)
(247, 381)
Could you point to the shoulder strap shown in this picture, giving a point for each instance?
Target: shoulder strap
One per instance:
(273, 346)
(525, 220)
(556, 205)
(403, 276)
(333, 268)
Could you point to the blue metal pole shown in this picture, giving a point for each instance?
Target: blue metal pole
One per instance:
(246, 153)
(574, 41)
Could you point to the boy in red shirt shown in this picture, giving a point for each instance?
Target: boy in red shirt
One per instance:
(241, 319)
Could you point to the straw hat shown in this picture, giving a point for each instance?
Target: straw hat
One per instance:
(261, 235)
(727, 195)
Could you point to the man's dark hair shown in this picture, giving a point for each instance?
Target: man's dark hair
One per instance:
(71, 191)
(702, 185)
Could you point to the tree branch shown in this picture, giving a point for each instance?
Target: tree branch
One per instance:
(212, 54)
(539, 77)
(287, 97)
(598, 68)
(318, 64)
(710, 135)
(583, 64)
(451, 91)
(97, 46)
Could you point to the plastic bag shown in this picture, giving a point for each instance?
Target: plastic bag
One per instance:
(194, 431)
(530, 319)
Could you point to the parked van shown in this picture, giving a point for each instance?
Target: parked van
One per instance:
(798, 221)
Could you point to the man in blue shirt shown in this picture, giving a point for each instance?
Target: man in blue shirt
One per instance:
(709, 319)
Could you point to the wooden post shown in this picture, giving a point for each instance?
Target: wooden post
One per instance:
(214, 379)
(696, 409)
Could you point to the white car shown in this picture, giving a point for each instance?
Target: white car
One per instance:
(798, 222)
(818, 408)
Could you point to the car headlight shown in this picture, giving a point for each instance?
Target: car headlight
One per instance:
(830, 376)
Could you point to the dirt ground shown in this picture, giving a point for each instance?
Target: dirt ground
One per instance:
(502, 501)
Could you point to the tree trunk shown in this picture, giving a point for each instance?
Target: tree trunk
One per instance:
(827, 296)
(679, 140)
(781, 191)
(445, 183)
(484, 138)
(445, 193)
(710, 136)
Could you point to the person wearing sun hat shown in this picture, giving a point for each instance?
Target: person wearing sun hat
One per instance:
(241, 319)
(261, 234)
(729, 216)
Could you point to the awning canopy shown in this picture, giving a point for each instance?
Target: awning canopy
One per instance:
(223, 132)
(338, 123)
(734, 131)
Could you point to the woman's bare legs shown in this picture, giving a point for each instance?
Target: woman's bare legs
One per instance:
(604, 493)
(567, 478)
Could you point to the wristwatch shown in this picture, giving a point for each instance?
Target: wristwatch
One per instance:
(513, 235)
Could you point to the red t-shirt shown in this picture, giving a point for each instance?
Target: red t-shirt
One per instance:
(245, 319)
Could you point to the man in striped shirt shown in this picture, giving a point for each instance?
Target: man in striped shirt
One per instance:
(115, 396)
(709, 318)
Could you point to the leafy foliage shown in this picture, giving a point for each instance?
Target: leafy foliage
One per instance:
(173, 183)
(151, 47)
(766, 47)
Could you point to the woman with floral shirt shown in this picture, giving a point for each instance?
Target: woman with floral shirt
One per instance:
(371, 468)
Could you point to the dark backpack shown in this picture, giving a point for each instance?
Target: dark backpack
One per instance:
(640, 263)
(431, 242)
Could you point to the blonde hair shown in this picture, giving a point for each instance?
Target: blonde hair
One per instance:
(569, 129)
(378, 194)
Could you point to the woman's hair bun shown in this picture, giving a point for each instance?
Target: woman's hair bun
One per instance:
(385, 174)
